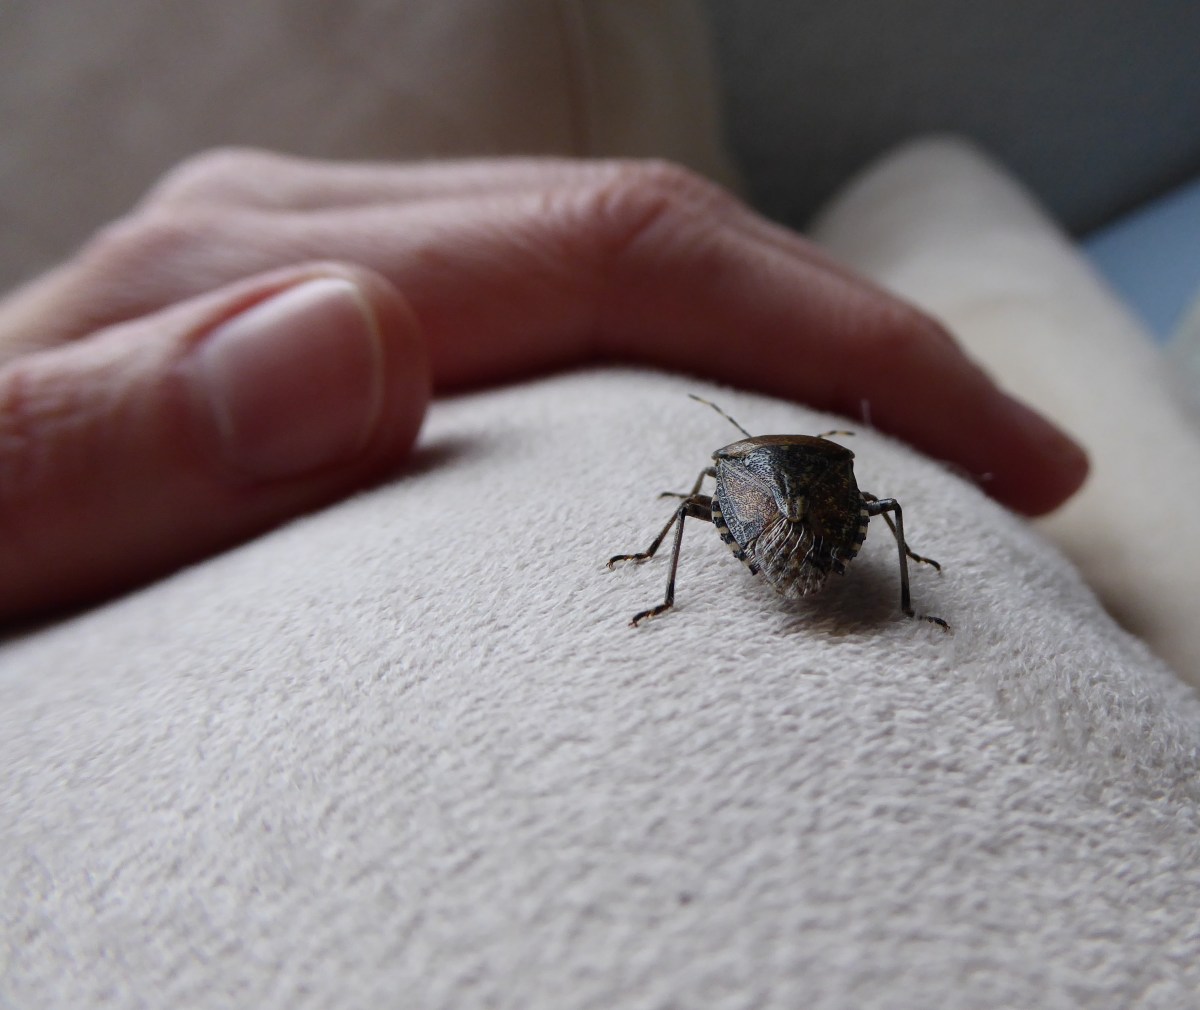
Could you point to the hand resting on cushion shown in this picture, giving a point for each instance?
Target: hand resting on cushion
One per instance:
(261, 335)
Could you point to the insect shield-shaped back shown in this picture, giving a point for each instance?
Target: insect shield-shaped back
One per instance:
(789, 507)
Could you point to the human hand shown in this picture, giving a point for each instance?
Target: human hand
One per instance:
(261, 335)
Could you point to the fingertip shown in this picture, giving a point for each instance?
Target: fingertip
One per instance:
(960, 415)
(1043, 466)
(407, 375)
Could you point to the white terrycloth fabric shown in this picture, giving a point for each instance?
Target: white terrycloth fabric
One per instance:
(407, 752)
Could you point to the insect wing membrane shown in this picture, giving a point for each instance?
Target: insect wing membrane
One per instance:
(746, 502)
(759, 534)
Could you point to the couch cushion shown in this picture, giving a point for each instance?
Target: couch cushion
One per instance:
(940, 223)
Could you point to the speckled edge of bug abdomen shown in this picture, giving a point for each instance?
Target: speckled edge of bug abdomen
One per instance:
(838, 561)
(723, 529)
(864, 520)
(794, 560)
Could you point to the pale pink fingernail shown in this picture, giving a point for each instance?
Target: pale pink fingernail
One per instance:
(294, 383)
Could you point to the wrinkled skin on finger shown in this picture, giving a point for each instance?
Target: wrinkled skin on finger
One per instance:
(517, 266)
(463, 274)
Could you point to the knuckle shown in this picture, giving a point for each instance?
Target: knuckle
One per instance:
(217, 175)
(150, 256)
(659, 176)
(634, 198)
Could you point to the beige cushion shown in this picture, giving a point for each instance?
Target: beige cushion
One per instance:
(408, 752)
(939, 223)
(1183, 352)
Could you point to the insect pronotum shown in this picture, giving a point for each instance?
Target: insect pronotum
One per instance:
(789, 508)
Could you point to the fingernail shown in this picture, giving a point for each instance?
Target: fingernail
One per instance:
(294, 383)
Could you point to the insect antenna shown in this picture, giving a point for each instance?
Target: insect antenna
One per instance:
(700, 399)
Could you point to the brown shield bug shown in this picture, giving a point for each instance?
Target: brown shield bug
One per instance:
(789, 507)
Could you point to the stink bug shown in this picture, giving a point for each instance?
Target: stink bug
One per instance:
(789, 507)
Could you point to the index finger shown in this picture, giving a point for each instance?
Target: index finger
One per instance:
(658, 268)
(638, 262)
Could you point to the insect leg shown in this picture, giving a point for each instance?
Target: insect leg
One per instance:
(695, 506)
(657, 542)
(898, 534)
(708, 471)
(881, 507)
